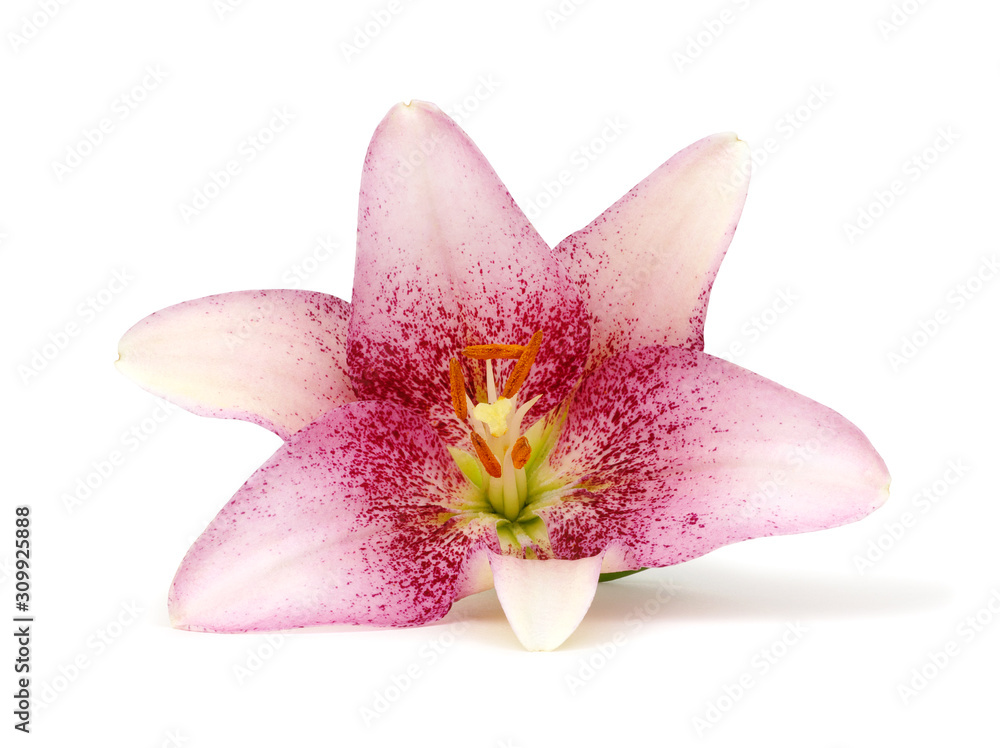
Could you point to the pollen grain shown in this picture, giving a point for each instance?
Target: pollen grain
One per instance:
(523, 366)
(485, 455)
(520, 452)
(494, 351)
(458, 390)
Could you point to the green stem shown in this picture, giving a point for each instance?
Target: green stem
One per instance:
(613, 575)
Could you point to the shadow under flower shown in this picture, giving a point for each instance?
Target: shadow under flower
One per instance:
(711, 590)
(700, 590)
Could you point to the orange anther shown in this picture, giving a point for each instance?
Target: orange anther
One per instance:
(485, 455)
(523, 366)
(458, 390)
(494, 351)
(520, 452)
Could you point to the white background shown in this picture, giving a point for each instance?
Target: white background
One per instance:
(845, 96)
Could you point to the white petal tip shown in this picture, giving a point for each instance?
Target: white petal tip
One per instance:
(545, 601)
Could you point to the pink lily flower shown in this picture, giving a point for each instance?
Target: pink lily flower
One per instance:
(488, 411)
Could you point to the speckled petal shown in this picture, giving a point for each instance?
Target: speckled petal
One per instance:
(677, 453)
(645, 266)
(446, 259)
(349, 522)
(544, 600)
(276, 358)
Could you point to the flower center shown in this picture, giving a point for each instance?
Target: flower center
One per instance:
(494, 415)
(502, 452)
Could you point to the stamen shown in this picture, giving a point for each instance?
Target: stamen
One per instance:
(458, 397)
(520, 452)
(494, 350)
(523, 366)
(485, 455)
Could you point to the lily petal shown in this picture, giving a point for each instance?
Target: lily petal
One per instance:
(349, 522)
(276, 358)
(545, 600)
(446, 259)
(645, 266)
(695, 453)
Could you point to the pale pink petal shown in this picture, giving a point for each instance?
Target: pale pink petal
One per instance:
(675, 453)
(447, 259)
(351, 521)
(545, 600)
(645, 266)
(276, 358)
